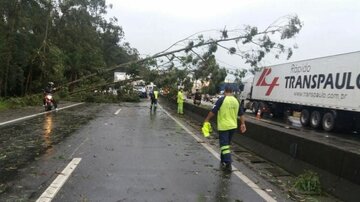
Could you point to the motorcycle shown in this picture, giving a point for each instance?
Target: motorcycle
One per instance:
(49, 102)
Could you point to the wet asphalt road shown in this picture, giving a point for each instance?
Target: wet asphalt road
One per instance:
(134, 155)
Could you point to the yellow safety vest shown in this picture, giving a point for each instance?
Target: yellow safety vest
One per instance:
(228, 113)
(180, 97)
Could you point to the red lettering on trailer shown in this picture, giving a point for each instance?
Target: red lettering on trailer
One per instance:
(262, 81)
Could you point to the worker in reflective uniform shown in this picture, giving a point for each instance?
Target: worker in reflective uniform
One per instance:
(227, 109)
(154, 95)
(180, 102)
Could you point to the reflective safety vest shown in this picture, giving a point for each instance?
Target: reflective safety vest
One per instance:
(156, 94)
(180, 98)
(228, 113)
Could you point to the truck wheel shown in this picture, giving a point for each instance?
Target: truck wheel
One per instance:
(315, 119)
(328, 121)
(262, 106)
(305, 117)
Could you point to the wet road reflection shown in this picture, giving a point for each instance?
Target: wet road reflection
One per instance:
(47, 128)
(222, 192)
(152, 113)
(23, 141)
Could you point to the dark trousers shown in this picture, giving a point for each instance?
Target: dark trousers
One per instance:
(153, 102)
(225, 142)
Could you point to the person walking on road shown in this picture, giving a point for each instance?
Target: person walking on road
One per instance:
(227, 109)
(180, 102)
(154, 95)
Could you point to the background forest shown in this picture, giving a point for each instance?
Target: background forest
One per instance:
(60, 41)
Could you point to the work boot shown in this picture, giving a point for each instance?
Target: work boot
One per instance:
(226, 167)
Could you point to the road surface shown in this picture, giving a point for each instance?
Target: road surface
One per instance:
(125, 152)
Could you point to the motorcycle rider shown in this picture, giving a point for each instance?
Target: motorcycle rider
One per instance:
(50, 89)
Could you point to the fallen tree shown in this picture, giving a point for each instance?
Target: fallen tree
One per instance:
(250, 44)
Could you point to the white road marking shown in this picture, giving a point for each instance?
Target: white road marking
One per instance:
(236, 171)
(78, 147)
(27, 117)
(60, 180)
(117, 112)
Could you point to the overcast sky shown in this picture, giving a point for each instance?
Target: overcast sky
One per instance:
(330, 26)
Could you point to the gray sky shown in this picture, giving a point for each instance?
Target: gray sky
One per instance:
(330, 26)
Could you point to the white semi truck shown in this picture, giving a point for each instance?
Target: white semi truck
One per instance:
(325, 90)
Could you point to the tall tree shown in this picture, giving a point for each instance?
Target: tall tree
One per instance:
(10, 11)
(61, 41)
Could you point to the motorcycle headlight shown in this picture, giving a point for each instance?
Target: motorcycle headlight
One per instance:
(49, 97)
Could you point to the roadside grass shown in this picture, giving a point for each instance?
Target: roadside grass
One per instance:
(3, 105)
(16, 102)
(306, 187)
(308, 183)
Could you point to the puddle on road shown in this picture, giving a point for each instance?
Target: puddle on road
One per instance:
(22, 142)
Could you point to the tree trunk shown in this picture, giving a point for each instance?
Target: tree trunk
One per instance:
(28, 81)
(73, 78)
(10, 44)
(1, 81)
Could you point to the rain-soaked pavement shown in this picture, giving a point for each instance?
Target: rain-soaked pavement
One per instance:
(27, 140)
(127, 154)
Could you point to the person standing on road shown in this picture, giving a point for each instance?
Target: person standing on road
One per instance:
(197, 97)
(227, 109)
(154, 95)
(180, 102)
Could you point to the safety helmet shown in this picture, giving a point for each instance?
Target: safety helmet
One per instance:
(51, 83)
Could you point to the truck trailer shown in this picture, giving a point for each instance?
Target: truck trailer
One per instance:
(325, 90)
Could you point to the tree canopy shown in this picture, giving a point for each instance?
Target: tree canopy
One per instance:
(197, 58)
(60, 41)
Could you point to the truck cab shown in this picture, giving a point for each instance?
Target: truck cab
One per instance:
(245, 93)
